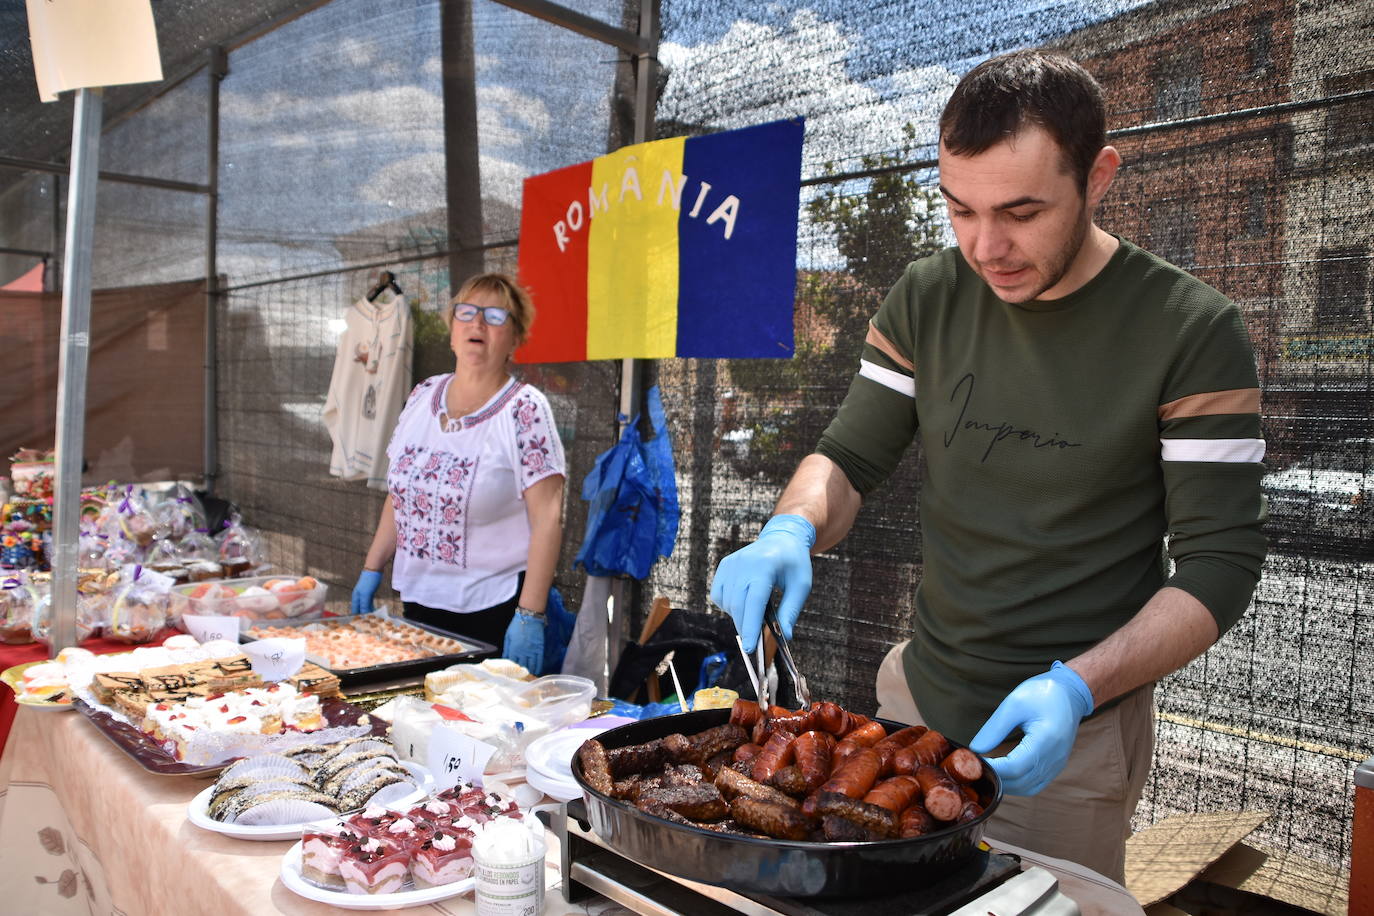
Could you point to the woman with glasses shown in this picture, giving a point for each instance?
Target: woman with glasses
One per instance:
(472, 519)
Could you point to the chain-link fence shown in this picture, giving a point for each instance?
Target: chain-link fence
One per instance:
(1245, 130)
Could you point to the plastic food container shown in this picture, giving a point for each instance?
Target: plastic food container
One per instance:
(252, 600)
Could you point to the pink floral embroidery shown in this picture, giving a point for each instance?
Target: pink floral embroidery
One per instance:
(526, 415)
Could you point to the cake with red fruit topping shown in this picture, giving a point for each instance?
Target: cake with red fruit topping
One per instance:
(375, 866)
(444, 858)
(322, 851)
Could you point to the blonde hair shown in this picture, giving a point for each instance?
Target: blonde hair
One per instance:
(510, 294)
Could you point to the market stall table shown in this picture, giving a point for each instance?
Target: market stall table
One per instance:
(84, 829)
(37, 652)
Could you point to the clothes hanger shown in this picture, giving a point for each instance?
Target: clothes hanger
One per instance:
(386, 281)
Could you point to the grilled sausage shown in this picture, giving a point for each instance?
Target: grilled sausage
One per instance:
(866, 735)
(745, 713)
(828, 717)
(637, 758)
(931, 748)
(880, 820)
(789, 780)
(903, 762)
(915, 821)
(843, 830)
(678, 749)
(770, 818)
(777, 753)
(889, 746)
(746, 752)
(705, 745)
(732, 785)
(785, 720)
(856, 775)
(963, 765)
(896, 793)
(813, 751)
(940, 793)
(969, 812)
(701, 802)
(596, 768)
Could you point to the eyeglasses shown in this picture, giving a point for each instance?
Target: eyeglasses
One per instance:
(491, 315)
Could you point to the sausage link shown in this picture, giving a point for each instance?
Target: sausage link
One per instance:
(745, 713)
(969, 791)
(777, 753)
(788, 721)
(842, 830)
(697, 803)
(732, 785)
(931, 748)
(770, 818)
(678, 749)
(813, 750)
(705, 745)
(596, 767)
(746, 752)
(829, 717)
(896, 793)
(866, 735)
(904, 762)
(889, 746)
(637, 758)
(963, 765)
(790, 781)
(915, 821)
(856, 775)
(880, 820)
(940, 793)
(969, 812)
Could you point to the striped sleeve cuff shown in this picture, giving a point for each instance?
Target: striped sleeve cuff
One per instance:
(1212, 426)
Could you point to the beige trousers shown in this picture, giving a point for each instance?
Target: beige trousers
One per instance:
(1085, 814)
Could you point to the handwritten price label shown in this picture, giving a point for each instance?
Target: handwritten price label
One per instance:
(276, 659)
(205, 628)
(455, 757)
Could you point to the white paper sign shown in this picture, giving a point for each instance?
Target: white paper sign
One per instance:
(81, 44)
(455, 757)
(205, 627)
(276, 659)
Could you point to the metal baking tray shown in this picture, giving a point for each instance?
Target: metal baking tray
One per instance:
(154, 759)
(473, 650)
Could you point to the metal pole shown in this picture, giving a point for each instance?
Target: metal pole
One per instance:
(632, 370)
(217, 70)
(72, 360)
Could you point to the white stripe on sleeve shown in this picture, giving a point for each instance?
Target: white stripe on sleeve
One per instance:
(1235, 451)
(902, 384)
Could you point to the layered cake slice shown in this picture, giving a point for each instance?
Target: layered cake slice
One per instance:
(375, 866)
(443, 859)
(322, 851)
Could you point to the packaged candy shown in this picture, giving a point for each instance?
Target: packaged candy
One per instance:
(240, 548)
(178, 514)
(87, 618)
(16, 612)
(138, 610)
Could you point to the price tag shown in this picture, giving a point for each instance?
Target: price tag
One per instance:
(455, 757)
(276, 659)
(205, 628)
(148, 577)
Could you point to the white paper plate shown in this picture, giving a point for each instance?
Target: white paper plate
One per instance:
(198, 812)
(552, 787)
(293, 879)
(552, 754)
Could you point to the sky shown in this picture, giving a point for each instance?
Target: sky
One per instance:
(333, 124)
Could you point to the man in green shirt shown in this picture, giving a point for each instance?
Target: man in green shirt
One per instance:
(1078, 401)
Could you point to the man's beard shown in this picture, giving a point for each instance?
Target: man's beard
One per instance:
(1066, 256)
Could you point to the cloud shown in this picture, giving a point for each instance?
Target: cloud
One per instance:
(506, 115)
(418, 182)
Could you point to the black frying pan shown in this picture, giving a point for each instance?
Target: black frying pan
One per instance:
(787, 868)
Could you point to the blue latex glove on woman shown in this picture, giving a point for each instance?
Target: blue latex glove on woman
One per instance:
(368, 581)
(780, 558)
(1047, 708)
(524, 643)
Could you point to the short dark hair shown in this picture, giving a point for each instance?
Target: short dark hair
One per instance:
(1049, 89)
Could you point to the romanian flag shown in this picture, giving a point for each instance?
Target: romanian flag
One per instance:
(682, 247)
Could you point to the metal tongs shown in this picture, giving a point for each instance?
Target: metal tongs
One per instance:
(770, 619)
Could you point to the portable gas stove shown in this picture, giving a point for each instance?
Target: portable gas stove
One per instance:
(989, 884)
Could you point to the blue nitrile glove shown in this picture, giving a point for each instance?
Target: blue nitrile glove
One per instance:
(524, 643)
(780, 558)
(1047, 708)
(368, 580)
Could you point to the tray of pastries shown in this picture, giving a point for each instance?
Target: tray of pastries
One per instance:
(374, 647)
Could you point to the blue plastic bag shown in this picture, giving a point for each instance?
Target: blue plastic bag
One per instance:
(633, 516)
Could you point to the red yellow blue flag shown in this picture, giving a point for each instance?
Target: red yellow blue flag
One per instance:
(681, 247)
